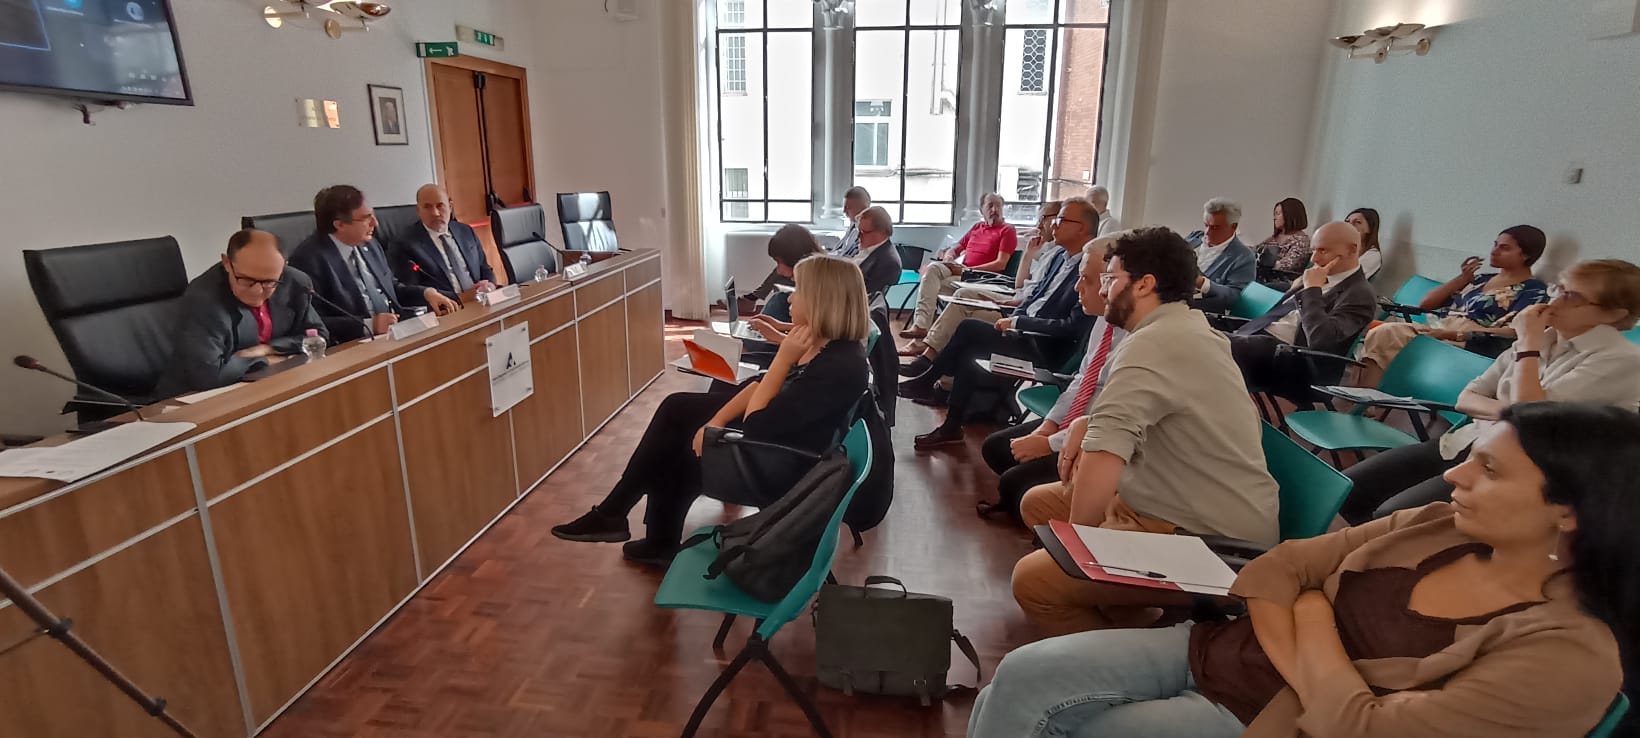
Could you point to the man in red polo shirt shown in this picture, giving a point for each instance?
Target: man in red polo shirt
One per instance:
(986, 247)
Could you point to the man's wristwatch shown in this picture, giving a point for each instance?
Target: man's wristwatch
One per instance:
(1528, 355)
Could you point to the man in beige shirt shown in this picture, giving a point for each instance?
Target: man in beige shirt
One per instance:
(1173, 429)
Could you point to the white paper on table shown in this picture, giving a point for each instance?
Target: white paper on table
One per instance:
(995, 289)
(196, 397)
(1011, 366)
(1369, 394)
(83, 457)
(1183, 560)
(966, 302)
(511, 379)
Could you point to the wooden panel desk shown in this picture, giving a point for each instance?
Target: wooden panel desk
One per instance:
(228, 570)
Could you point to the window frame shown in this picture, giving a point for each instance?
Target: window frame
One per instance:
(1041, 71)
(728, 60)
(906, 28)
(724, 201)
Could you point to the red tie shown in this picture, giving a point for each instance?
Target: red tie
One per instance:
(1090, 376)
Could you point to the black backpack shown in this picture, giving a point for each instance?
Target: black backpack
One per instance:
(767, 552)
(876, 494)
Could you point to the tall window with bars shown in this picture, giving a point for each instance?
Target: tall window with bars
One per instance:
(764, 88)
(905, 110)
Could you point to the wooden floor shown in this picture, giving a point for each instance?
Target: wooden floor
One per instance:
(528, 635)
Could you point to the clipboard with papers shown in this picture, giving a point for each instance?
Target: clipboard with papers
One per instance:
(1178, 563)
(717, 356)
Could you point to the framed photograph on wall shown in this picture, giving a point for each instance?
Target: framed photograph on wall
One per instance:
(387, 115)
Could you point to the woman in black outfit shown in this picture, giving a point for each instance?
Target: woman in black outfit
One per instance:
(817, 377)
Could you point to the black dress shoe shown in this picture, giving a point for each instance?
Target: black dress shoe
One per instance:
(918, 389)
(917, 367)
(596, 526)
(944, 435)
(650, 552)
(938, 397)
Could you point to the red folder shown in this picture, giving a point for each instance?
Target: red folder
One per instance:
(1066, 533)
(709, 362)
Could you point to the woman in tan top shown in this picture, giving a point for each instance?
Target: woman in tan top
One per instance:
(1497, 616)
(1581, 355)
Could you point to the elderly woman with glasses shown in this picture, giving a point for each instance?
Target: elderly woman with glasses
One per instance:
(1572, 348)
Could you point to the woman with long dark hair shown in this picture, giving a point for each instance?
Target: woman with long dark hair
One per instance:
(1366, 221)
(1286, 253)
(1505, 614)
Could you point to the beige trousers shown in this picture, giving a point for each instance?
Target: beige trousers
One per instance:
(945, 325)
(936, 280)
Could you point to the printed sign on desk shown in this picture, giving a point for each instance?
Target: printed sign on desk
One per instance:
(510, 377)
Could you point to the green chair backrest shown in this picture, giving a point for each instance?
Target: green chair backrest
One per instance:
(1013, 263)
(1429, 369)
(1633, 334)
(871, 338)
(1039, 399)
(1311, 490)
(1255, 300)
(1614, 715)
(857, 445)
(1413, 290)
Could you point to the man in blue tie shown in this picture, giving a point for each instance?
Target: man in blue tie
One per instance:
(443, 254)
(349, 270)
(1326, 310)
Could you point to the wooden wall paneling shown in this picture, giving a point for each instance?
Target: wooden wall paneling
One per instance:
(604, 373)
(639, 275)
(237, 455)
(152, 611)
(547, 425)
(645, 336)
(547, 316)
(311, 558)
(417, 374)
(591, 296)
(460, 466)
(52, 536)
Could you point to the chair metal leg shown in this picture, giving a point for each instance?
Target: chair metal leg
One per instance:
(723, 632)
(1338, 462)
(797, 694)
(712, 692)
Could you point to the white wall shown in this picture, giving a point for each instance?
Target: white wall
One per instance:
(1232, 106)
(1477, 136)
(193, 171)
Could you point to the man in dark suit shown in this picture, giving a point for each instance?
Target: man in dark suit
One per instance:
(1052, 311)
(878, 259)
(442, 254)
(1326, 310)
(249, 311)
(349, 269)
(1226, 264)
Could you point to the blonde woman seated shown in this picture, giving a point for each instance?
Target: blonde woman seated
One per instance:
(1500, 615)
(811, 388)
(1476, 304)
(1570, 349)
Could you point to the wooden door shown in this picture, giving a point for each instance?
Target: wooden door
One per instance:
(462, 137)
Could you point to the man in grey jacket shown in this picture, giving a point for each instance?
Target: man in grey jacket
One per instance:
(241, 315)
(1226, 264)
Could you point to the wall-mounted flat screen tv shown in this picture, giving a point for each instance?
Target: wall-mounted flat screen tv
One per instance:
(93, 49)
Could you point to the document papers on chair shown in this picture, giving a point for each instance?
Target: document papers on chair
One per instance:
(966, 302)
(1158, 560)
(716, 356)
(995, 289)
(1365, 395)
(83, 457)
(1009, 366)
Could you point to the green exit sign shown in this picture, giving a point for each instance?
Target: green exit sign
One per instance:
(436, 49)
(470, 35)
(483, 37)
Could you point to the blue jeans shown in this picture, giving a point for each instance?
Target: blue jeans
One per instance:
(1106, 683)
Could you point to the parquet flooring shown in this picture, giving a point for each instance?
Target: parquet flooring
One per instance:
(528, 635)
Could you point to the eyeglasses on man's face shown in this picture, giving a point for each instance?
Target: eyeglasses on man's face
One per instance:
(1570, 298)
(260, 284)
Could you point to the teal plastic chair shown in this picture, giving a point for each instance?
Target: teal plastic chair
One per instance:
(1311, 491)
(1427, 369)
(1039, 399)
(871, 338)
(1412, 292)
(1255, 300)
(1633, 334)
(686, 587)
(1614, 715)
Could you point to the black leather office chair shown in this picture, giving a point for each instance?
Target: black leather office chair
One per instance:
(289, 228)
(519, 235)
(112, 307)
(588, 220)
(393, 221)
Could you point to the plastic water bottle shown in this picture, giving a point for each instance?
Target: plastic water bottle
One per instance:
(484, 288)
(541, 273)
(586, 260)
(313, 345)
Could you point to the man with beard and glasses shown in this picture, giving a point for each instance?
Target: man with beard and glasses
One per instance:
(1172, 443)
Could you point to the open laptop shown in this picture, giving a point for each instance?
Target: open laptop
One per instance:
(735, 327)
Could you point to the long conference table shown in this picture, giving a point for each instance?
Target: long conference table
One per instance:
(231, 568)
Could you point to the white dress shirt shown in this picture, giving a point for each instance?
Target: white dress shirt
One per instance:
(1069, 270)
(439, 245)
(1206, 254)
(1062, 406)
(1109, 223)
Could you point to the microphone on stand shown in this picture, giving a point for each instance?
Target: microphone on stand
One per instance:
(369, 330)
(29, 362)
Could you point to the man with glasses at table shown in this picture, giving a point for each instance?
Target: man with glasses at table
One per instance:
(247, 312)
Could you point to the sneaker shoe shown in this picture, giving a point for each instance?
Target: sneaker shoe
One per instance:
(650, 552)
(596, 526)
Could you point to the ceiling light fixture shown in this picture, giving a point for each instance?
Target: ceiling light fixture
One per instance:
(1378, 44)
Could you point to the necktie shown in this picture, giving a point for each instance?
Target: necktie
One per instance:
(850, 245)
(456, 264)
(1288, 303)
(1091, 376)
(368, 289)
